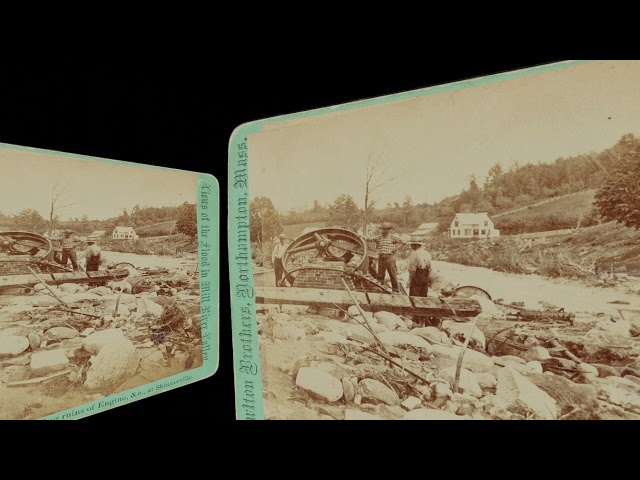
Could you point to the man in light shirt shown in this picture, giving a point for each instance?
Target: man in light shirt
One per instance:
(92, 254)
(69, 250)
(276, 258)
(419, 269)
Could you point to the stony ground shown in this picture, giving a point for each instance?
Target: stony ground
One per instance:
(319, 367)
(105, 339)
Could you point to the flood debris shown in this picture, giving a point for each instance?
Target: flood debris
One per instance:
(63, 342)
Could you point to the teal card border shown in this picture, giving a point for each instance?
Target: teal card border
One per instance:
(246, 350)
(208, 211)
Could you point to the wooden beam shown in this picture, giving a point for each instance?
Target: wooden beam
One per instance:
(60, 278)
(373, 302)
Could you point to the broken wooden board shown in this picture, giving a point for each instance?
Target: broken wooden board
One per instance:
(373, 302)
(9, 281)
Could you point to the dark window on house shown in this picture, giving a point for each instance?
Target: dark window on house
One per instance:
(475, 232)
(456, 224)
(458, 232)
(484, 232)
(486, 223)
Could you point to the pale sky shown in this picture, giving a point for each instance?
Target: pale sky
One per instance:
(435, 142)
(98, 189)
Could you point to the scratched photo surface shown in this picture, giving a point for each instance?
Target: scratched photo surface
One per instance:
(99, 289)
(467, 254)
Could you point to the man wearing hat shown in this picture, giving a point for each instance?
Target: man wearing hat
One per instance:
(92, 254)
(386, 246)
(69, 250)
(276, 257)
(419, 269)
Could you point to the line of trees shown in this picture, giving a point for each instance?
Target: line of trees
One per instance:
(612, 171)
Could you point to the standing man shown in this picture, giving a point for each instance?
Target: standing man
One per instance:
(276, 258)
(419, 269)
(69, 250)
(92, 254)
(386, 246)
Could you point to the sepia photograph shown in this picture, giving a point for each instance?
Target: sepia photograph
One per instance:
(99, 281)
(466, 252)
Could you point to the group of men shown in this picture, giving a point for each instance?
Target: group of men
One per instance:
(386, 246)
(92, 253)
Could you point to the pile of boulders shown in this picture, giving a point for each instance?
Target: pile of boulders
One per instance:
(113, 336)
(348, 376)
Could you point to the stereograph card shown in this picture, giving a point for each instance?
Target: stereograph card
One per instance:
(108, 282)
(468, 251)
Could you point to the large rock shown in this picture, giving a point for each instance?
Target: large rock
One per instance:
(353, 414)
(377, 392)
(34, 340)
(71, 288)
(101, 291)
(390, 320)
(146, 306)
(411, 403)
(12, 345)
(516, 392)
(473, 360)
(125, 299)
(294, 333)
(431, 414)
(113, 365)
(60, 333)
(537, 354)
(468, 383)
(80, 297)
(94, 342)
(460, 331)
(329, 337)
(398, 339)
(614, 327)
(567, 393)
(486, 380)
(606, 370)
(623, 392)
(349, 389)
(588, 368)
(48, 361)
(505, 360)
(43, 301)
(489, 309)
(319, 384)
(432, 334)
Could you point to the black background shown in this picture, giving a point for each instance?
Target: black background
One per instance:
(181, 114)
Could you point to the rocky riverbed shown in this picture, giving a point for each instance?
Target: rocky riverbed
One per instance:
(332, 366)
(96, 340)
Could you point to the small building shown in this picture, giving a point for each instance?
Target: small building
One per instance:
(425, 230)
(97, 235)
(124, 233)
(473, 225)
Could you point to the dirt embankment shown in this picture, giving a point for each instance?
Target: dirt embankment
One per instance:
(105, 339)
(604, 255)
(320, 367)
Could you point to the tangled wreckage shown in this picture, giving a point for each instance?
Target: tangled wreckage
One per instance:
(26, 256)
(331, 267)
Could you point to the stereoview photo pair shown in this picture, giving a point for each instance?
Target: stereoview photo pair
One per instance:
(463, 252)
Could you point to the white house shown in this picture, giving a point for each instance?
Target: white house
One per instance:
(473, 225)
(425, 229)
(124, 233)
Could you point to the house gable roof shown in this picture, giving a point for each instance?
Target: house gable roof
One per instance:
(471, 218)
(124, 230)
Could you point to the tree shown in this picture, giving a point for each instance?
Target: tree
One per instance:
(58, 202)
(619, 198)
(344, 212)
(375, 178)
(188, 220)
(30, 219)
(264, 220)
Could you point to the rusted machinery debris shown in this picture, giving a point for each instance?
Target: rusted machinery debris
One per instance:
(317, 263)
(22, 251)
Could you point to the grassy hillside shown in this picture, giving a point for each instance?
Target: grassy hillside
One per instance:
(554, 214)
(157, 229)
